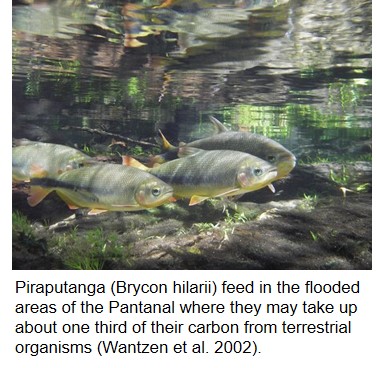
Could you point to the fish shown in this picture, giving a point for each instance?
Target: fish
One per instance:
(199, 174)
(254, 144)
(31, 158)
(104, 187)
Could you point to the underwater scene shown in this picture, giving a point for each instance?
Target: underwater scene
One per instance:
(169, 134)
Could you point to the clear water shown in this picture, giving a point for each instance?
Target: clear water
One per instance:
(297, 71)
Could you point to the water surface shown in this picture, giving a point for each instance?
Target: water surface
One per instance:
(298, 71)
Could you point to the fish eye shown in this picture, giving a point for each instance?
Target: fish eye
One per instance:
(271, 158)
(258, 172)
(156, 192)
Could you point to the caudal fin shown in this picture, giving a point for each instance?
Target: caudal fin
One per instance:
(37, 194)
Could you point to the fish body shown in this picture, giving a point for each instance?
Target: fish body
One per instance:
(253, 144)
(106, 187)
(41, 159)
(201, 174)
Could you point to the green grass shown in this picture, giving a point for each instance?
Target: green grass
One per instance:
(23, 232)
(90, 250)
(206, 226)
(21, 225)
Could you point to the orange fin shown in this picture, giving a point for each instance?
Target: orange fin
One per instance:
(166, 145)
(165, 4)
(37, 194)
(130, 161)
(96, 211)
(195, 199)
(72, 206)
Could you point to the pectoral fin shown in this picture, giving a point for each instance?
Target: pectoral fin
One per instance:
(195, 199)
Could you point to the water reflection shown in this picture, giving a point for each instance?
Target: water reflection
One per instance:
(284, 69)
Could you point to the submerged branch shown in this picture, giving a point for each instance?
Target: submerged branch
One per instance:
(112, 135)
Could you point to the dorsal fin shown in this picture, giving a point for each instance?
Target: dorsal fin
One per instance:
(130, 161)
(166, 145)
(220, 127)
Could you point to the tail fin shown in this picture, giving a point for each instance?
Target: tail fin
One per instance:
(37, 194)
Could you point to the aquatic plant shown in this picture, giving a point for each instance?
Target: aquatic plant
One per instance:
(89, 150)
(363, 187)
(21, 226)
(235, 217)
(314, 235)
(342, 178)
(206, 226)
(310, 201)
(91, 250)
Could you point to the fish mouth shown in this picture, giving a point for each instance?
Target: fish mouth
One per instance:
(271, 175)
(284, 167)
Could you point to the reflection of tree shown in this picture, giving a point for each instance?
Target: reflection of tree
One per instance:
(297, 63)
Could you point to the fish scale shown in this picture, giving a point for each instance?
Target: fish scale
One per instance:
(205, 174)
(104, 187)
(41, 159)
(247, 142)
